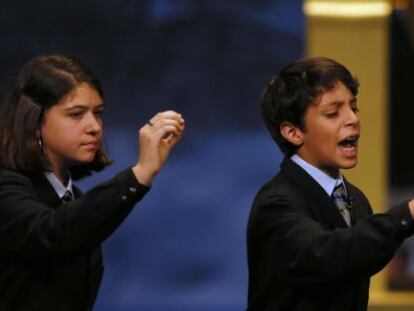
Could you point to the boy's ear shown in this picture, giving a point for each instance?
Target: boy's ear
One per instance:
(292, 133)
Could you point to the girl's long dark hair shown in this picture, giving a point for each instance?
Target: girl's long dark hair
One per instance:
(42, 83)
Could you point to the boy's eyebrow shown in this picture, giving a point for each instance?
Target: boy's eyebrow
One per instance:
(337, 103)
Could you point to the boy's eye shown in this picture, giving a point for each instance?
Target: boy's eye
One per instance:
(355, 109)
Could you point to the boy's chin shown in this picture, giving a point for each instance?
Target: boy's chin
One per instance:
(334, 169)
(346, 165)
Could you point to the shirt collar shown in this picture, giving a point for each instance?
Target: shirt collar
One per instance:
(324, 180)
(57, 185)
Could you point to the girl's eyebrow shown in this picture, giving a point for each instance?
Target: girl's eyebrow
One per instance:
(84, 107)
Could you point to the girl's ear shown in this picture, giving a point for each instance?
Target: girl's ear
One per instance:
(38, 133)
(39, 138)
(292, 133)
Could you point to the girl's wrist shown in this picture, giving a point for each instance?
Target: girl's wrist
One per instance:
(143, 175)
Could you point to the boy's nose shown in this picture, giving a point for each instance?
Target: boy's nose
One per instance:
(352, 118)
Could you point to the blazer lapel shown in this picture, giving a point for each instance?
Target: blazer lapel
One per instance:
(318, 201)
(76, 191)
(357, 210)
(46, 192)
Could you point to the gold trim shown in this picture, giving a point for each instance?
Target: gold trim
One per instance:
(362, 9)
(389, 298)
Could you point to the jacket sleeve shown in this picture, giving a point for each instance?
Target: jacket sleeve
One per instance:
(29, 228)
(301, 252)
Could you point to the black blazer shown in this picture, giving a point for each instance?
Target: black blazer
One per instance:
(301, 254)
(50, 255)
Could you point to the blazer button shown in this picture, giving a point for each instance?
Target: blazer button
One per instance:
(404, 222)
(123, 198)
(133, 189)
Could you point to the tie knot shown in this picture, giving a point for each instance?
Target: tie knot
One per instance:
(339, 192)
(68, 196)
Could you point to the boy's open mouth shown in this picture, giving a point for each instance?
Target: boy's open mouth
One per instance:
(349, 143)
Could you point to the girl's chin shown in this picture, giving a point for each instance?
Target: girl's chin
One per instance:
(82, 161)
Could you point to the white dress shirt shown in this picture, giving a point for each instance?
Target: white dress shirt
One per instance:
(324, 180)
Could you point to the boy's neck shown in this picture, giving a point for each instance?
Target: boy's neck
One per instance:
(334, 173)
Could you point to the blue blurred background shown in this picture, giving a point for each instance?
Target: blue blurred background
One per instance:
(183, 247)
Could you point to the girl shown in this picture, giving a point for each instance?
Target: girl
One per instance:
(51, 133)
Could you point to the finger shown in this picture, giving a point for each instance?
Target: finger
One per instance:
(167, 115)
(173, 139)
(168, 130)
(168, 122)
(168, 127)
(151, 133)
(170, 134)
(153, 126)
(170, 114)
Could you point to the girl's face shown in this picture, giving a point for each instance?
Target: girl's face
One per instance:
(72, 130)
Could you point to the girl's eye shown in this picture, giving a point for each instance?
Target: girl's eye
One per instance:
(332, 114)
(75, 114)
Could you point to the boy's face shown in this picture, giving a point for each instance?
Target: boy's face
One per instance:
(331, 133)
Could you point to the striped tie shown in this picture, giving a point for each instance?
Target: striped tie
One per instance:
(340, 200)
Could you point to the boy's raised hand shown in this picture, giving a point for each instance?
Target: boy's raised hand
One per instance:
(156, 139)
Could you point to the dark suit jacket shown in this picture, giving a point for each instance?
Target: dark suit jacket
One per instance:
(50, 256)
(301, 254)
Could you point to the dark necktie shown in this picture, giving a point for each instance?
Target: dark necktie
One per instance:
(341, 202)
(68, 196)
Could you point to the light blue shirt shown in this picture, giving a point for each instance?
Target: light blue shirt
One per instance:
(58, 186)
(324, 180)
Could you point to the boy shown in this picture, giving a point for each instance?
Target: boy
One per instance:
(313, 242)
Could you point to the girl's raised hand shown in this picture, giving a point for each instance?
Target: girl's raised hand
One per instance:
(156, 139)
